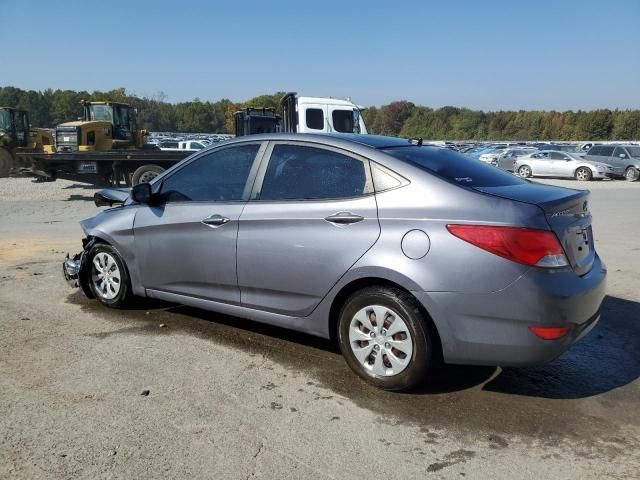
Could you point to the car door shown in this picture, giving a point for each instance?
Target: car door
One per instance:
(606, 156)
(186, 243)
(561, 164)
(619, 159)
(313, 214)
(540, 164)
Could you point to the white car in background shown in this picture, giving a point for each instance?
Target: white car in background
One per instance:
(505, 160)
(553, 163)
(491, 157)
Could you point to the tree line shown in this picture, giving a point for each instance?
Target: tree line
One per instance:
(48, 108)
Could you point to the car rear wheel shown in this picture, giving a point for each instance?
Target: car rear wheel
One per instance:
(632, 174)
(583, 174)
(108, 278)
(145, 174)
(524, 171)
(385, 339)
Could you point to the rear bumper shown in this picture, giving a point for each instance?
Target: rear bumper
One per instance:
(493, 328)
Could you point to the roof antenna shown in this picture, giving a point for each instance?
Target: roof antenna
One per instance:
(416, 141)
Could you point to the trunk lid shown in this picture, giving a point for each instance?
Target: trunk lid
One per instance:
(567, 213)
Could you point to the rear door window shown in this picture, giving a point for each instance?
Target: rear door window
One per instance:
(298, 172)
(606, 151)
(454, 167)
(594, 150)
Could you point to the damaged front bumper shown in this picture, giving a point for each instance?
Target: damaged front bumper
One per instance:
(74, 268)
(71, 269)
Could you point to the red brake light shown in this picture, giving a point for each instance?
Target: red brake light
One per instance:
(549, 333)
(536, 248)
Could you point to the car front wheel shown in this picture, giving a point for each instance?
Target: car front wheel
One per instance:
(108, 278)
(385, 339)
(583, 174)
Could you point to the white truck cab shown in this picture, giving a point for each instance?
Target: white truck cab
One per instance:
(328, 115)
(302, 115)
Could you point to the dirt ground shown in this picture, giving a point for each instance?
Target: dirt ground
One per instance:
(229, 398)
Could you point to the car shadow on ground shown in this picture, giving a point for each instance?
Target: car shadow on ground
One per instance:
(607, 358)
(76, 197)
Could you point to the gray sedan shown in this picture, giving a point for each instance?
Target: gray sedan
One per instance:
(553, 163)
(405, 255)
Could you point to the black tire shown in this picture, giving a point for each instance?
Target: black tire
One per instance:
(145, 174)
(5, 163)
(123, 296)
(524, 171)
(583, 174)
(632, 174)
(407, 307)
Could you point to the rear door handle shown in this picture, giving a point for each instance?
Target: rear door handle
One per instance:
(215, 220)
(344, 218)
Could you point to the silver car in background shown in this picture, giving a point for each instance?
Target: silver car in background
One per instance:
(506, 159)
(405, 255)
(553, 163)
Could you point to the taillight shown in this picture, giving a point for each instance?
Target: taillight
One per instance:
(536, 248)
(549, 333)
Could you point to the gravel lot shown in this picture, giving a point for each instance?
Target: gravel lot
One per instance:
(233, 399)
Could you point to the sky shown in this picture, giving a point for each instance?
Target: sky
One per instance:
(487, 55)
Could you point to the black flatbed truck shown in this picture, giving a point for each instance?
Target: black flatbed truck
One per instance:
(130, 166)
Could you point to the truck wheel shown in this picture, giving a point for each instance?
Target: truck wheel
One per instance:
(5, 163)
(632, 174)
(145, 174)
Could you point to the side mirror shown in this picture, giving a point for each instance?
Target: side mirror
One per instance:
(141, 193)
(622, 155)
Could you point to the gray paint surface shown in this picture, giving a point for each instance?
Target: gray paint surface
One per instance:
(282, 262)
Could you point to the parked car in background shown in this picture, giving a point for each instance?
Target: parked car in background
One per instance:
(190, 145)
(375, 265)
(626, 159)
(552, 163)
(505, 160)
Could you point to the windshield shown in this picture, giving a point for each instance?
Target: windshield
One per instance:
(633, 151)
(101, 112)
(5, 120)
(454, 167)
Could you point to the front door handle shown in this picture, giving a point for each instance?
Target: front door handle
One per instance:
(344, 218)
(215, 220)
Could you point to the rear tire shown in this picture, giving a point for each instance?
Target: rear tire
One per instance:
(583, 174)
(389, 355)
(524, 171)
(108, 277)
(145, 174)
(632, 174)
(5, 163)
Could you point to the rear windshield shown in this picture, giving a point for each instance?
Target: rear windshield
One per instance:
(454, 167)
